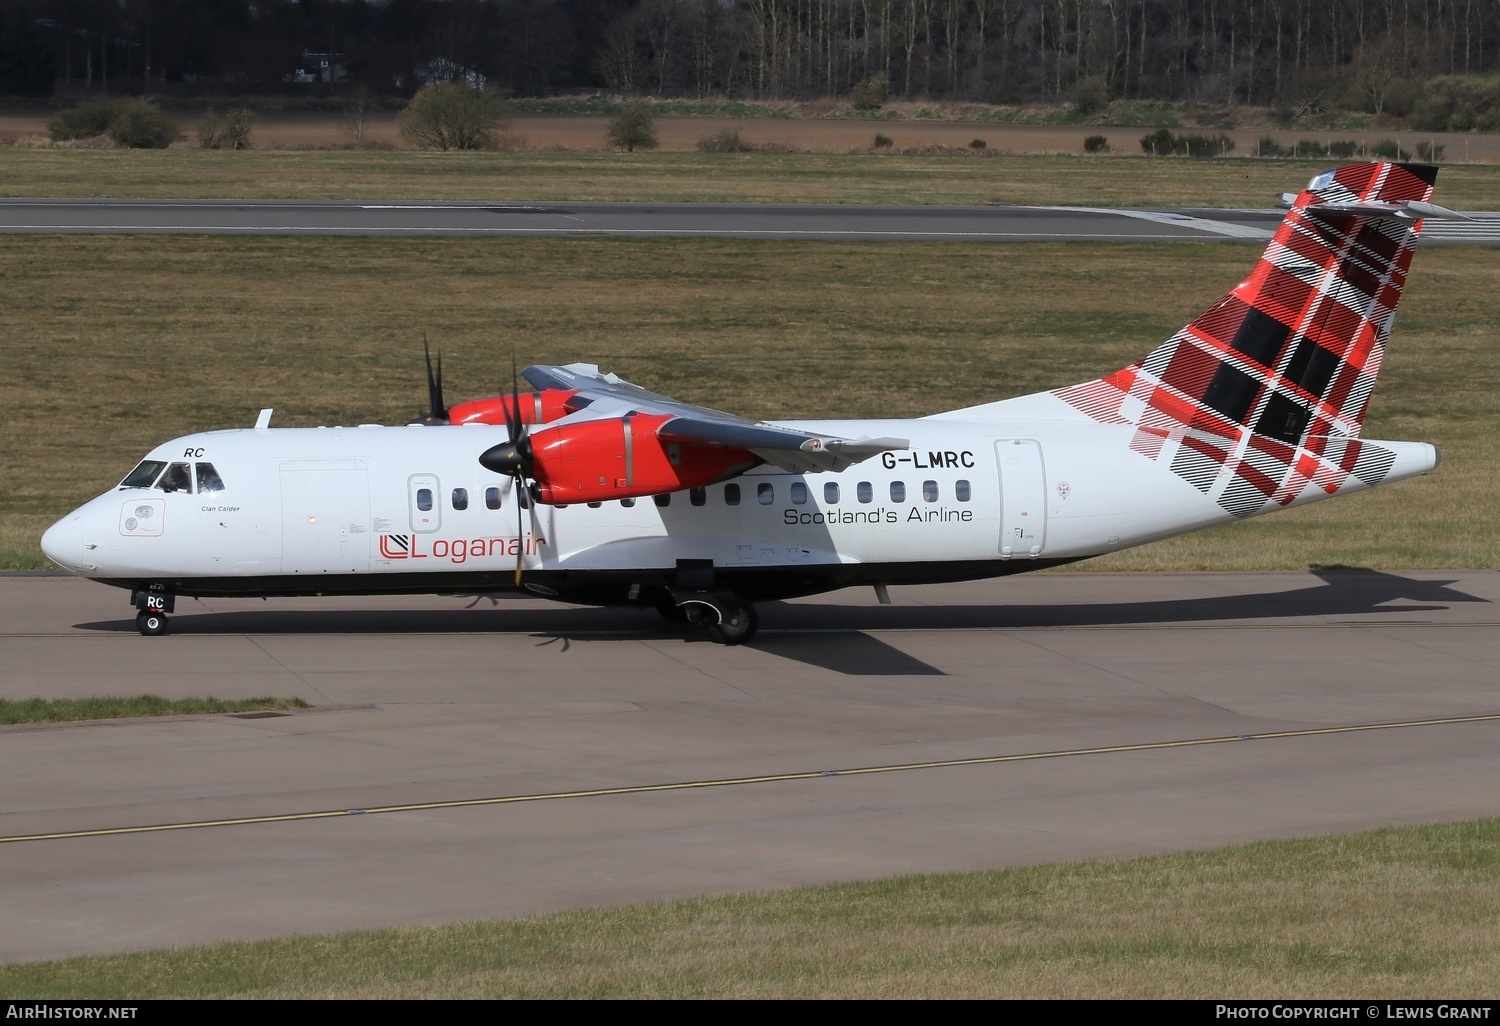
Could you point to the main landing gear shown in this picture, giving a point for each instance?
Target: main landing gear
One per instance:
(694, 595)
(724, 619)
(154, 604)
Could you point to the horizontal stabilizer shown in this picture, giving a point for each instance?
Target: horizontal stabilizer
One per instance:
(1405, 210)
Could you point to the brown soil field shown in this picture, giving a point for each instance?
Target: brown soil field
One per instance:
(322, 129)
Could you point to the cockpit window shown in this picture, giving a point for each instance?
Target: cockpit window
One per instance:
(209, 479)
(178, 478)
(143, 475)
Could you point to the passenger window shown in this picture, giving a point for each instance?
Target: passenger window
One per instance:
(665, 499)
(929, 491)
(178, 478)
(460, 498)
(799, 493)
(595, 505)
(865, 492)
(627, 503)
(523, 496)
(898, 491)
(492, 497)
(961, 491)
(144, 475)
(209, 479)
(697, 496)
(424, 499)
(731, 495)
(765, 493)
(831, 493)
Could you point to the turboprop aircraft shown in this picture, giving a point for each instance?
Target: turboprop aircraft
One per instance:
(593, 490)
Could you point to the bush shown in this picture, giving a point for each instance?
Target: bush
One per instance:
(83, 121)
(1163, 143)
(869, 94)
(1089, 95)
(727, 141)
(634, 128)
(141, 125)
(1266, 146)
(1160, 143)
(229, 133)
(1096, 144)
(1388, 150)
(452, 116)
(1459, 103)
(883, 141)
(1430, 152)
(978, 144)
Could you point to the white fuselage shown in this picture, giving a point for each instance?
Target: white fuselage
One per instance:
(999, 489)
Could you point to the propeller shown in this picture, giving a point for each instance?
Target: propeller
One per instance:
(513, 458)
(437, 410)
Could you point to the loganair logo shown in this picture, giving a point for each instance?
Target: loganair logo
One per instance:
(457, 550)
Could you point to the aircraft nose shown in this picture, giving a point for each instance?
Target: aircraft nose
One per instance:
(63, 542)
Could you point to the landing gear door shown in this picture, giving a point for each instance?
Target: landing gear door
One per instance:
(1023, 498)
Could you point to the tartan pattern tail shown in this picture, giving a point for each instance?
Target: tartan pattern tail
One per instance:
(1265, 393)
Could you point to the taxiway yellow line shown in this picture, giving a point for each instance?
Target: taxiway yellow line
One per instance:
(772, 778)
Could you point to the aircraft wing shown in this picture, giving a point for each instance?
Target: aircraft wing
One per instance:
(606, 395)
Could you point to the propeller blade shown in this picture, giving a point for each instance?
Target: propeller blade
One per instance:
(437, 410)
(520, 528)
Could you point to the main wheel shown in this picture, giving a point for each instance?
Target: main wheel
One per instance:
(151, 623)
(737, 625)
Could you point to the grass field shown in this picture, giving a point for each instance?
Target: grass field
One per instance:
(113, 345)
(72, 710)
(559, 176)
(1406, 913)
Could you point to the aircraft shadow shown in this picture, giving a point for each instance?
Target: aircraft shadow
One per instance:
(832, 636)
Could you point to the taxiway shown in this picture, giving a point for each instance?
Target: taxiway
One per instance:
(479, 758)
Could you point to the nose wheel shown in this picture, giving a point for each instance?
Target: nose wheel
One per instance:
(151, 624)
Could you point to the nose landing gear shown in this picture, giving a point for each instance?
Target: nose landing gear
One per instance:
(154, 604)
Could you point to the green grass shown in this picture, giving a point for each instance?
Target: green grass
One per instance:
(1404, 913)
(113, 345)
(557, 176)
(69, 710)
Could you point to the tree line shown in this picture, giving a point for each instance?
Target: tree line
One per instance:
(1369, 53)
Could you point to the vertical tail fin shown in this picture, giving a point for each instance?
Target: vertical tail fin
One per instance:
(1266, 390)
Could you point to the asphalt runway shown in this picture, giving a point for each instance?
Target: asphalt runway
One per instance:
(639, 220)
(474, 758)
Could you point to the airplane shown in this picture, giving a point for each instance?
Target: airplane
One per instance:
(593, 490)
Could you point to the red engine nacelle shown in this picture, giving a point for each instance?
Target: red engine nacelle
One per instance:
(619, 458)
(534, 407)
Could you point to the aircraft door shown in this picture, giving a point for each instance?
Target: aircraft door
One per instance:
(325, 517)
(1023, 498)
(422, 494)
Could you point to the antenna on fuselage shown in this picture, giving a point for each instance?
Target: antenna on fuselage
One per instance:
(263, 421)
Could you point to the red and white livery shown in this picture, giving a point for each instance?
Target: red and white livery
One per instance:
(594, 490)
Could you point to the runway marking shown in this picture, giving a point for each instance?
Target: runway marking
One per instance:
(631, 632)
(1202, 224)
(774, 778)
